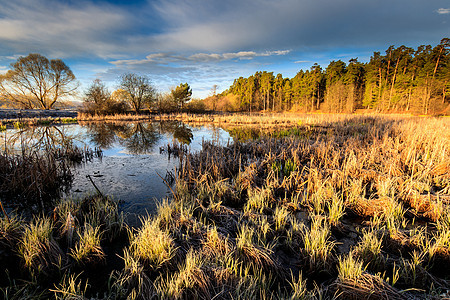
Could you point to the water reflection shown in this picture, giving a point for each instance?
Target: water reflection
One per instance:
(36, 166)
(131, 160)
(36, 139)
(182, 133)
(136, 138)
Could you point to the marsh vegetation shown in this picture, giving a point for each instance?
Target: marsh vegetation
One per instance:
(349, 207)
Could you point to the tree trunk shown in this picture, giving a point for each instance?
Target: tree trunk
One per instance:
(409, 99)
(437, 62)
(388, 67)
(265, 99)
(393, 82)
(427, 96)
(443, 92)
(318, 90)
(380, 87)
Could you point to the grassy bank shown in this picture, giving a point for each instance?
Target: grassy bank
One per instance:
(29, 122)
(349, 207)
(357, 209)
(264, 120)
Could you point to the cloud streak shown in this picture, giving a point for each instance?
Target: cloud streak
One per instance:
(166, 58)
(443, 11)
(57, 29)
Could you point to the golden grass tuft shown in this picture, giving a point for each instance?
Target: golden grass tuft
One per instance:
(88, 249)
(152, 246)
(38, 249)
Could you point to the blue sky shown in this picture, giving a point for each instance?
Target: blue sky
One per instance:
(208, 42)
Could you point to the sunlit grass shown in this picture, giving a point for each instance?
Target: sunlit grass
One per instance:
(151, 245)
(38, 249)
(88, 249)
(347, 207)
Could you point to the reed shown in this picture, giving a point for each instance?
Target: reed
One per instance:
(88, 249)
(152, 246)
(323, 207)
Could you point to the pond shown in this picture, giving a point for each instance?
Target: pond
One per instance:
(134, 156)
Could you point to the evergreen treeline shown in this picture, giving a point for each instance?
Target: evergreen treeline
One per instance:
(403, 79)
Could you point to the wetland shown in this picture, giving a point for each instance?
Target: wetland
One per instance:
(325, 206)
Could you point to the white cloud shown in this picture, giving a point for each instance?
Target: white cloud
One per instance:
(165, 58)
(101, 29)
(278, 52)
(205, 57)
(57, 29)
(443, 11)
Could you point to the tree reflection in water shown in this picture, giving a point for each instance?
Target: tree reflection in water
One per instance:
(103, 135)
(37, 139)
(35, 166)
(178, 130)
(183, 134)
(139, 137)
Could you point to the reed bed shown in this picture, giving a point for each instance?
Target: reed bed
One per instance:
(33, 179)
(365, 192)
(238, 119)
(357, 209)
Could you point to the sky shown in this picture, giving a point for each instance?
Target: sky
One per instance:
(211, 42)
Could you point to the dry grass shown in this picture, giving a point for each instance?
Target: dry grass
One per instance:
(88, 250)
(152, 246)
(34, 179)
(300, 193)
(356, 207)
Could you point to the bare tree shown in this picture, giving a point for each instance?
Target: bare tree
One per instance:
(139, 90)
(96, 97)
(36, 82)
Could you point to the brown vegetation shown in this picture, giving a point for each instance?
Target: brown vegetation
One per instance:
(345, 207)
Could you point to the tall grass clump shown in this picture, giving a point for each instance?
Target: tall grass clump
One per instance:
(369, 248)
(191, 282)
(38, 248)
(317, 244)
(88, 249)
(354, 283)
(11, 230)
(250, 251)
(152, 246)
(71, 287)
(132, 282)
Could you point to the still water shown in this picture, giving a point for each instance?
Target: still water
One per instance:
(132, 157)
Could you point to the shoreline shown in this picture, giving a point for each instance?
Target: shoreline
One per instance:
(10, 118)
